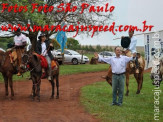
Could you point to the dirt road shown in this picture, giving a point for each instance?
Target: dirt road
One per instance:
(65, 109)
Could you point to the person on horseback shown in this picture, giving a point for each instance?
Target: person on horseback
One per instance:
(132, 48)
(20, 41)
(44, 47)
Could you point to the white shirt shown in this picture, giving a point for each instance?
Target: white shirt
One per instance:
(19, 40)
(132, 45)
(44, 51)
(118, 64)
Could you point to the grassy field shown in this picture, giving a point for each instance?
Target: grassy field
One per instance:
(70, 69)
(96, 99)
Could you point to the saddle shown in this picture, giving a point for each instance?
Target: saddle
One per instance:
(140, 58)
(44, 62)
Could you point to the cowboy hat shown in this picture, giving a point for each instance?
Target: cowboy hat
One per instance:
(125, 42)
(41, 35)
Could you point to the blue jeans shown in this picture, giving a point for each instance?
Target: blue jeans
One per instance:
(49, 64)
(118, 82)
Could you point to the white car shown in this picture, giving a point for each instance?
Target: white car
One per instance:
(71, 56)
(106, 54)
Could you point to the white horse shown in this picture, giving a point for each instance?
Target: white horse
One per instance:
(157, 72)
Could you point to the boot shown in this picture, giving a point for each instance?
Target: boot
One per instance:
(19, 74)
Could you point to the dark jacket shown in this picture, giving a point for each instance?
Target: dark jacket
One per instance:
(39, 48)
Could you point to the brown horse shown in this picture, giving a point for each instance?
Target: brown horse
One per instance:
(32, 63)
(8, 70)
(130, 69)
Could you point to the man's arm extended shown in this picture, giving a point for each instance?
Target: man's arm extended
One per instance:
(107, 60)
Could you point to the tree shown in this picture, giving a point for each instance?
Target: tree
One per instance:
(72, 44)
(98, 48)
(91, 48)
(51, 18)
(56, 44)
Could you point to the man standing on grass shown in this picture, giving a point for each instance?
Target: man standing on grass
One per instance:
(118, 64)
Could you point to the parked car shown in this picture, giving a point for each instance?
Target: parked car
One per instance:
(106, 54)
(71, 56)
(57, 55)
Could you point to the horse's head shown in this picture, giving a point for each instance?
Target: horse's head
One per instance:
(29, 59)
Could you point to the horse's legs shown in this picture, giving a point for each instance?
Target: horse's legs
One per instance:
(34, 89)
(6, 84)
(11, 86)
(53, 90)
(57, 84)
(137, 77)
(127, 83)
(38, 91)
(140, 78)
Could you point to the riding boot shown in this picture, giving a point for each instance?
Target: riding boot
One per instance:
(19, 72)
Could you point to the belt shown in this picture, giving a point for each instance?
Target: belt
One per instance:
(119, 74)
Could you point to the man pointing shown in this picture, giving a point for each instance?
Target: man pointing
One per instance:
(118, 64)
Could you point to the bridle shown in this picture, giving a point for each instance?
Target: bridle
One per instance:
(26, 63)
(28, 69)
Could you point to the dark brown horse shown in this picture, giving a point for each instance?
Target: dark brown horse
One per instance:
(32, 62)
(8, 70)
(130, 69)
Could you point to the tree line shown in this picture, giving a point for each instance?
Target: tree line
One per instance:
(72, 44)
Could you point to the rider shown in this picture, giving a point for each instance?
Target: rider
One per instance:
(44, 47)
(20, 41)
(132, 48)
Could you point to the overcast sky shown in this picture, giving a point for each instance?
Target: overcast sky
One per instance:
(129, 12)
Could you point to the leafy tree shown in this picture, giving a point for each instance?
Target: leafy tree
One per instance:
(51, 18)
(98, 48)
(91, 48)
(72, 44)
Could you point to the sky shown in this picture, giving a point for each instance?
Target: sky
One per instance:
(128, 12)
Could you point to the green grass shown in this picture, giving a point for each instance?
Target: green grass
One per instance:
(69, 69)
(96, 99)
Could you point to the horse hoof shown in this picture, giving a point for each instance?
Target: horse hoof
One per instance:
(138, 92)
(52, 97)
(57, 97)
(126, 94)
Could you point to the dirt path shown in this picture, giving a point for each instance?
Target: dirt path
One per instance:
(66, 109)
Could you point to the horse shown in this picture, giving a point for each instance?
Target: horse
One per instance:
(130, 69)
(157, 73)
(32, 63)
(8, 70)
